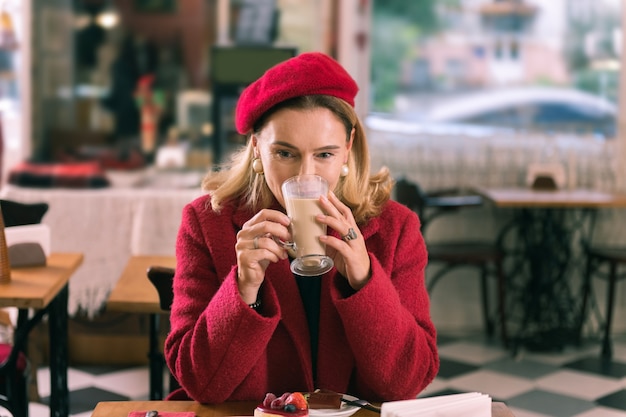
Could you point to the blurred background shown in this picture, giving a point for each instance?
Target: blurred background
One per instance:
(137, 97)
(72, 80)
(133, 101)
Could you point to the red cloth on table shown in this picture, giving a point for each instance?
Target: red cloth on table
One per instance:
(51, 175)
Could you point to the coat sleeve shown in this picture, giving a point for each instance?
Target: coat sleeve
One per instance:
(209, 321)
(387, 322)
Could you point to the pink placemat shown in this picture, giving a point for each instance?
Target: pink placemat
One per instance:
(163, 414)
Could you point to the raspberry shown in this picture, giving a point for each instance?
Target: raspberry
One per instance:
(279, 403)
(269, 398)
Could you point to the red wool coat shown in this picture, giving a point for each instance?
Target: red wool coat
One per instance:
(378, 343)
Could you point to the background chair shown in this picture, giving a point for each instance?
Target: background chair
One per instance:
(598, 260)
(15, 213)
(162, 278)
(488, 257)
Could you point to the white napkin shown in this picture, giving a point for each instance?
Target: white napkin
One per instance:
(472, 404)
(37, 233)
(554, 170)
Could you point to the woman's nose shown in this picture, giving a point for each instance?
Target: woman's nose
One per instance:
(307, 168)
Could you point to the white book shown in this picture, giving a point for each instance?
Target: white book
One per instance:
(472, 404)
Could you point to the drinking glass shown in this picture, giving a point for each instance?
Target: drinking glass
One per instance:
(301, 194)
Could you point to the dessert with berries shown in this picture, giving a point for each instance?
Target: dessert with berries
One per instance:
(290, 404)
(297, 404)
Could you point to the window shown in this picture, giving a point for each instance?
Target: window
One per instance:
(533, 71)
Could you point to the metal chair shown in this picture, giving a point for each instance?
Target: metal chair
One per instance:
(488, 257)
(598, 258)
(162, 278)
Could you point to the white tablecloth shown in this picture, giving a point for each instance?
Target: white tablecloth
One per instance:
(108, 226)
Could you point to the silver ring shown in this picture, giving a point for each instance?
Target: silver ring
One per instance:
(351, 235)
(256, 242)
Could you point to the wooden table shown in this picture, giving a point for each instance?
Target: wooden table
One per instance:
(530, 198)
(122, 408)
(45, 288)
(548, 233)
(134, 293)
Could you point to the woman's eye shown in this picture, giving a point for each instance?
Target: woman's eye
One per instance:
(325, 155)
(284, 154)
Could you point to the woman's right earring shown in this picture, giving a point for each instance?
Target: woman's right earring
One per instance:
(345, 170)
(257, 166)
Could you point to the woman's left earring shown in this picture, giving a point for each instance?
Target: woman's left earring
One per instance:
(257, 166)
(345, 170)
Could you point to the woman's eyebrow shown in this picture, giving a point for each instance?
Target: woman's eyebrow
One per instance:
(289, 145)
(285, 144)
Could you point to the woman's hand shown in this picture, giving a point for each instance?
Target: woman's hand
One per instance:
(256, 248)
(350, 256)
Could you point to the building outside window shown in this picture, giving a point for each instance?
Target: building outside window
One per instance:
(538, 69)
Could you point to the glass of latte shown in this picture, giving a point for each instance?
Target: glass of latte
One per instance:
(301, 194)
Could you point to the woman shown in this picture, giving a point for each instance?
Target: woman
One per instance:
(242, 324)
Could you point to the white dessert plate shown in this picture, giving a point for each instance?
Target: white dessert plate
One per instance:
(345, 410)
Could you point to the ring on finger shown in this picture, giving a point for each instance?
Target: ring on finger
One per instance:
(256, 242)
(351, 235)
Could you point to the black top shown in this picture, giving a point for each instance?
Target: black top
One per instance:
(310, 288)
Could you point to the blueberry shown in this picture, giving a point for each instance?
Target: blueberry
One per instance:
(290, 408)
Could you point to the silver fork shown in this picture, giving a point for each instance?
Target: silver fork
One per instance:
(361, 404)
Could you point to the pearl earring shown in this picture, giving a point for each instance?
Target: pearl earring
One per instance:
(257, 166)
(345, 170)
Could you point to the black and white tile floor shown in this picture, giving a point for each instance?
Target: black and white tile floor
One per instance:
(91, 384)
(569, 383)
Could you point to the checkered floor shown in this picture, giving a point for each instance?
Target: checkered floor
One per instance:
(564, 384)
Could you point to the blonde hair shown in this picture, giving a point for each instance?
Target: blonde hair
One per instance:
(365, 194)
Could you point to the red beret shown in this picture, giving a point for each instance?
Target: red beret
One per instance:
(309, 73)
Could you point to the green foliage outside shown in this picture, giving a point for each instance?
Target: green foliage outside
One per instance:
(397, 28)
(390, 48)
(602, 83)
